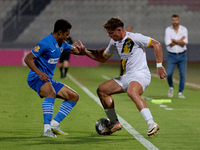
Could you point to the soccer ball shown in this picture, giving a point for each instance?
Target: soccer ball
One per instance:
(101, 125)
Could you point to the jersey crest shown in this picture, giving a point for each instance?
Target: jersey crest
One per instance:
(36, 49)
(127, 46)
(61, 49)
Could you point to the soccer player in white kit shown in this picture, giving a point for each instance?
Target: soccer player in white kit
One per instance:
(130, 47)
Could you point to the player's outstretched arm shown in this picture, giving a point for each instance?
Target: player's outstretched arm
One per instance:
(93, 54)
(30, 63)
(75, 50)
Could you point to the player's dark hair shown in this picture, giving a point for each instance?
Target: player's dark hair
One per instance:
(62, 25)
(175, 16)
(113, 23)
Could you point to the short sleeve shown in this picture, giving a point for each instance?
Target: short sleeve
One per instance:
(67, 47)
(110, 50)
(39, 49)
(141, 40)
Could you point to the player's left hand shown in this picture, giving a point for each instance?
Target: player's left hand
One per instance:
(161, 72)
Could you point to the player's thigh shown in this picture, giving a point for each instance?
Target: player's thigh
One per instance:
(135, 88)
(47, 90)
(138, 83)
(110, 87)
(68, 94)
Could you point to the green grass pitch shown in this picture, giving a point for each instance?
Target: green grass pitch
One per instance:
(21, 118)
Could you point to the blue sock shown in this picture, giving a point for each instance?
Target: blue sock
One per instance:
(47, 107)
(64, 110)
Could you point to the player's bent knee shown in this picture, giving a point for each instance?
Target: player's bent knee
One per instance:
(74, 97)
(100, 90)
(49, 93)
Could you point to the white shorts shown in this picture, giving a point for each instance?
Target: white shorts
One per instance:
(126, 79)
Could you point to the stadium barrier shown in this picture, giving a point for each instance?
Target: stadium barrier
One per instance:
(15, 57)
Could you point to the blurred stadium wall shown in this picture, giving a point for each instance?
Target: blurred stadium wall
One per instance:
(24, 22)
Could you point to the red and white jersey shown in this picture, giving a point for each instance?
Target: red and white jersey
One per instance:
(131, 52)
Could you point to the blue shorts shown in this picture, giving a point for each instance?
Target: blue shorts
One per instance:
(36, 84)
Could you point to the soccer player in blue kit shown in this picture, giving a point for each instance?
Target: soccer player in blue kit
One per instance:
(42, 61)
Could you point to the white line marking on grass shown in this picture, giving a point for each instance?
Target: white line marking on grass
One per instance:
(126, 125)
(189, 109)
(147, 98)
(169, 108)
(105, 77)
(163, 105)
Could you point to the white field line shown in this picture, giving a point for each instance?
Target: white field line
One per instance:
(163, 105)
(169, 108)
(177, 81)
(125, 124)
(105, 77)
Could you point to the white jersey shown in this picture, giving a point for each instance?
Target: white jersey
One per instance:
(131, 51)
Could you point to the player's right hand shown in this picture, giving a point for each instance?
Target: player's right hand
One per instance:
(162, 72)
(43, 76)
(80, 47)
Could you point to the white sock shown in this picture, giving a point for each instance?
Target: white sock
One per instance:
(46, 127)
(147, 115)
(150, 121)
(54, 123)
(111, 114)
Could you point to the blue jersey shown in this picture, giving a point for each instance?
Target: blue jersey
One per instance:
(47, 53)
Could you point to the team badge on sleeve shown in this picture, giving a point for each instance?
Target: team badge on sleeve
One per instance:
(36, 49)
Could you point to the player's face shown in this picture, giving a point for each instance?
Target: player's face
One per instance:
(175, 21)
(64, 35)
(115, 34)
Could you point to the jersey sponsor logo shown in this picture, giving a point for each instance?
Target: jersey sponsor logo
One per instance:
(128, 45)
(53, 60)
(37, 48)
(53, 50)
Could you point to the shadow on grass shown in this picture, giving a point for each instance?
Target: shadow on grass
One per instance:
(72, 139)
